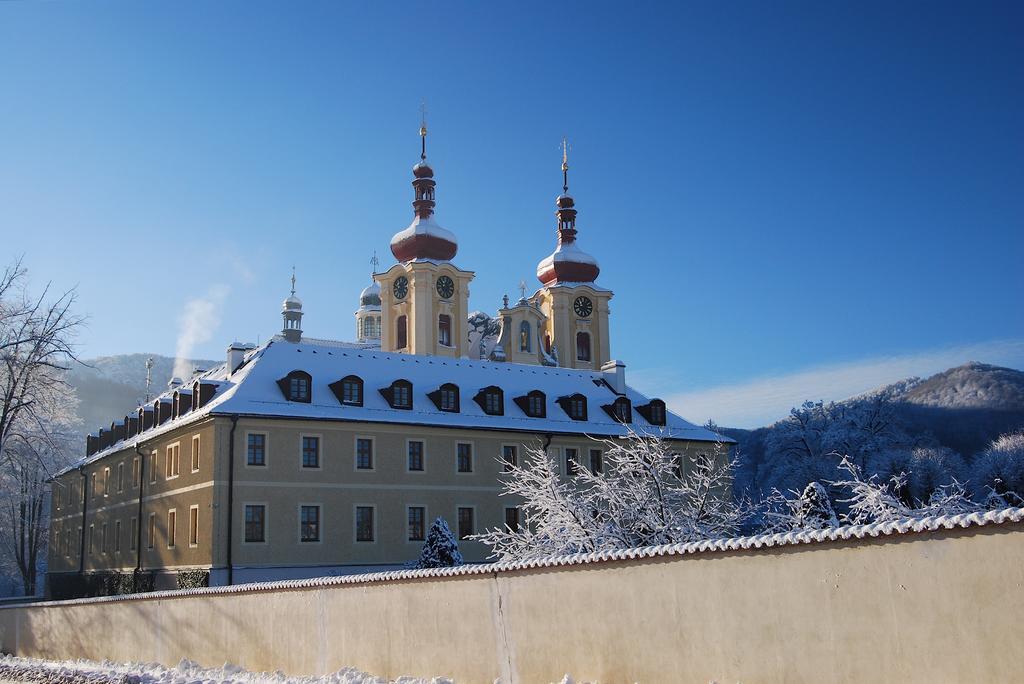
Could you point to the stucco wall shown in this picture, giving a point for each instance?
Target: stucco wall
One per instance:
(912, 607)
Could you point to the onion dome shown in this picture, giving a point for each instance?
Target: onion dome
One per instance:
(568, 263)
(370, 297)
(424, 239)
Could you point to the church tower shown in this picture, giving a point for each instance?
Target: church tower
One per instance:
(291, 313)
(368, 313)
(424, 297)
(575, 307)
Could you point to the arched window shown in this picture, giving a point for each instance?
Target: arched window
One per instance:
(621, 410)
(533, 404)
(524, 337)
(574, 405)
(297, 386)
(444, 330)
(401, 334)
(491, 400)
(399, 394)
(653, 412)
(582, 346)
(349, 390)
(446, 397)
(547, 343)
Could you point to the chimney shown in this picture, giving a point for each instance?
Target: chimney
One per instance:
(236, 354)
(174, 383)
(614, 373)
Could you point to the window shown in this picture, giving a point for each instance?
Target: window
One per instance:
(583, 346)
(512, 519)
(120, 477)
(620, 410)
(401, 333)
(135, 472)
(446, 397)
(67, 543)
(152, 466)
(133, 542)
(103, 538)
(575, 406)
(255, 521)
(491, 400)
(172, 524)
(465, 522)
(415, 455)
(417, 523)
(92, 481)
(173, 462)
(117, 536)
(151, 539)
(310, 452)
(106, 482)
(309, 523)
(193, 526)
(297, 386)
(464, 457)
(524, 337)
(92, 529)
(571, 461)
(534, 404)
(364, 453)
(195, 453)
(364, 523)
(510, 456)
(444, 330)
(596, 461)
(349, 390)
(256, 450)
(653, 412)
(399, 394)
(56, 497)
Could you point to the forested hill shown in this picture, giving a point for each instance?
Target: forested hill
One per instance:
(961, 410)
(111, 386)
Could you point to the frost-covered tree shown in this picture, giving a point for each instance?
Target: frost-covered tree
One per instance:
(807, 510)
(647, 494)
(441, 549)
(997, 474)
(483, 330)
(870, 500)
(949, 499)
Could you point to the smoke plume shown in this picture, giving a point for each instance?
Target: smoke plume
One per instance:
(197, 323)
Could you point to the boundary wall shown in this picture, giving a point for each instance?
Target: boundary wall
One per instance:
(928, 600)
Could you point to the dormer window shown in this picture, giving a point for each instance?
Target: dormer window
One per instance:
(491, 400)
(399, 394)
(533, 404)
(620, 410)
(446, 398)
(574, 405)
(653, 412)
(349, 390)
(297, 386)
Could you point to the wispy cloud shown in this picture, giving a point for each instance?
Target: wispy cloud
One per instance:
(761, 401)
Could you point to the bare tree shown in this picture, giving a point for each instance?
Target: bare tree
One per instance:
(36, 409)
(647, 494)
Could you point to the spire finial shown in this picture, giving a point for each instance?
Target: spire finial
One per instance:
(293, 280)
(522, 289)
(423, 130)
(375, 262)
(565, 165)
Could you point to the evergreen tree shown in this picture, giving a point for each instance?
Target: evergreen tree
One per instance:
(440, 550)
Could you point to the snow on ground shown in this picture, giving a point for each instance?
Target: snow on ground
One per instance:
(89, 672)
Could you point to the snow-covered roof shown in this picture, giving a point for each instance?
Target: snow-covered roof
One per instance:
(253, 390)
(906, 526)
(423, 226)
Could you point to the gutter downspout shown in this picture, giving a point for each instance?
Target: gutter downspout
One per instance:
(138, 527)
(231, 497)
(85, 503)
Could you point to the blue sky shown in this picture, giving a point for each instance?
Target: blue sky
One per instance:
(789, 199)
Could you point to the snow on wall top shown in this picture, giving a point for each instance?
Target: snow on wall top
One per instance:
(764, 541)
(252, 390)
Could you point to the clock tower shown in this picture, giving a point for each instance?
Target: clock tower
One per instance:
(575, 307)
(424, 297)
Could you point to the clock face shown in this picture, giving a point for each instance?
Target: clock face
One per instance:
(445, 287)
(401, 287)
(583, 307)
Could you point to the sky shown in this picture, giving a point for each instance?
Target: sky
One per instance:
(790, 200)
